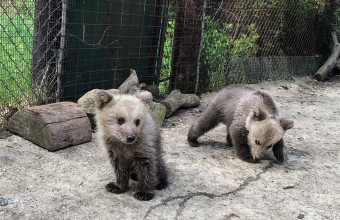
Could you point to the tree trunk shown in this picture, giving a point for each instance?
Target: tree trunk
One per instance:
(186, 44)
(46, 43)
(155, 36)
(324, 27)
(162, 40)
(322, 73)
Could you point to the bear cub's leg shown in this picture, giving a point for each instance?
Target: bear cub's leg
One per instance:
(230, 142)
(161, 176)
(239, 139)
(278, 150)
(146, 178)
(122, 177)
(207, 121)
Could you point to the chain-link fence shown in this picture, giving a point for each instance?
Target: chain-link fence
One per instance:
(16, 38)
(55, 50)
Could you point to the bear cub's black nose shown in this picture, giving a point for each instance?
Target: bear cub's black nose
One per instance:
(130, 138)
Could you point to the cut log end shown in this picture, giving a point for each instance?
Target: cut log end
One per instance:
(319, 77)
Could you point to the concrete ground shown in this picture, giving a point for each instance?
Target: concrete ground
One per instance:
(208, 182)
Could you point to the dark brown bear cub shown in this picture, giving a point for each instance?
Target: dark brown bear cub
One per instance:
(253, 124)
(133, 142)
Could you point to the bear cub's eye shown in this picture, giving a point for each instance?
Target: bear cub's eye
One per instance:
(257, 142)
(137, 122)
(120, 121)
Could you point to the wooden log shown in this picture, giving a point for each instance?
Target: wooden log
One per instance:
(131, 81)
(176, 100)
(322, 73)
(53, 126)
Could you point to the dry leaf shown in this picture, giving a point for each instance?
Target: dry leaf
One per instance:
(10, 144)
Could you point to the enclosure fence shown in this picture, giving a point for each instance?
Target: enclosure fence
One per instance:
(57, 50)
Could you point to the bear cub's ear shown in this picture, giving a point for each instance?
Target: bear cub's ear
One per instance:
(145, 96)
(259, 114)
(286, 124)
(101, 98)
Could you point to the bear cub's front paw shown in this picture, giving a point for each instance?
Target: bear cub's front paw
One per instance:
(142, 196)
(193, 142)
(161, 185)
(112, 187)
(280, 157)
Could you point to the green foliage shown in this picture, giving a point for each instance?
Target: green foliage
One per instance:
(219, 48)
(166, 62)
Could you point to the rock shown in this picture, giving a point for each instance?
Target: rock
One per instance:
(207, 98)
(158, 111)
(53, 126)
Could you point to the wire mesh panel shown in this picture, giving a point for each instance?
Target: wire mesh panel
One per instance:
(107, 38)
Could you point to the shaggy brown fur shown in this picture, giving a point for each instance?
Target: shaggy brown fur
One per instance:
(132, 139)
(253, 125)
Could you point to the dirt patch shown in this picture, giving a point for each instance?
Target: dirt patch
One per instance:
(207, 182)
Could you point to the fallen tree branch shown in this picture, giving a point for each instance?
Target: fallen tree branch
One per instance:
(131, 81)
(322, 73)
(337, 65)
(176, 100)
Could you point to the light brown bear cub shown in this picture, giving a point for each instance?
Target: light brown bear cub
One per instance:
(133, 142)
(253, 124)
